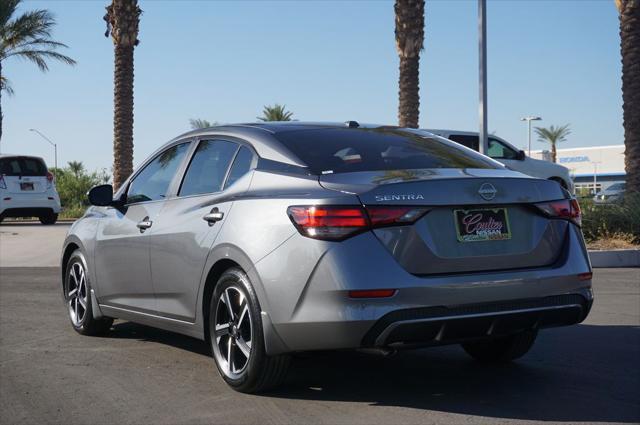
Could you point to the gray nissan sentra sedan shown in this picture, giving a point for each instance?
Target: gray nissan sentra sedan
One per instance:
(268, 239)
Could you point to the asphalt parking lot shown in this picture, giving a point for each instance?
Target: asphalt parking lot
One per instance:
(30, 244)
(50, 374)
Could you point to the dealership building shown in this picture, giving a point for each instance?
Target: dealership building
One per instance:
(598, 166)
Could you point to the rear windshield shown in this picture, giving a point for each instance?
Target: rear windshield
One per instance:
(348, 150)
(22, 166)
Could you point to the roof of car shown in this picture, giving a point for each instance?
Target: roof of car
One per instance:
(445, 131)
(262, 135)
(9, 155)
(275, 127)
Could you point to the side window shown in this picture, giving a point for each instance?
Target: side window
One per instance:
(499, 150)
(152, 183)
(241, 165)
(208, 167)
(472, 142)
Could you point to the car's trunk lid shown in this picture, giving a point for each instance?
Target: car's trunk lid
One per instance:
(26, 184)
(439, 242)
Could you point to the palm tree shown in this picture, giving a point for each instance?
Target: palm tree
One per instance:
(553, 135)
(409, 42)
(275, 113)
(630, 49)
(200, 123)
(28, 37)
(76, 167)
(123, 18)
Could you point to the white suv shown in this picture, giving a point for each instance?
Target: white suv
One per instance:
(515, 159)
(27, 189)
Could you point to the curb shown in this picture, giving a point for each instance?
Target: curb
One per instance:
(615, 258)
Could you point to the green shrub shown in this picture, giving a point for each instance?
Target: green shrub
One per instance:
(73, 212)
(605, 221)
(73, 182)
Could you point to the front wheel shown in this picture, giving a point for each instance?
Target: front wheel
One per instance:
(503, 349)
(237, 340)
(77, 295)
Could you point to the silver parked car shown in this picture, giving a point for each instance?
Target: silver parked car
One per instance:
(272, 238)
(612, 194)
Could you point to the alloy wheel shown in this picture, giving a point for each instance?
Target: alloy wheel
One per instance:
(231, 336)
(77, 294)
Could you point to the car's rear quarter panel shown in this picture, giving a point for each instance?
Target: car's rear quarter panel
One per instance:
(258, 225)
(324, 317)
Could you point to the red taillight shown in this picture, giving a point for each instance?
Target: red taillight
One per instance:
(339, 222)
(385, 216)
(328, 222)
(3, 184)
(49, 179)
(568, 209)
(585, 276)
(372, 293)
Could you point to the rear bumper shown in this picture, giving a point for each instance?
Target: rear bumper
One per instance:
(447, 325)
(310, 309)
(26, 212)
(21, 205)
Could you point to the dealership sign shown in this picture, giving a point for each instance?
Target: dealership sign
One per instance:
(582, 158)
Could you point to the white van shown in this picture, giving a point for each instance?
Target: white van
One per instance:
(515, 159)
(27, 189)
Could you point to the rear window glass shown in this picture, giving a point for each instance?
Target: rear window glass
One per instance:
(22, 166)
(349, 150)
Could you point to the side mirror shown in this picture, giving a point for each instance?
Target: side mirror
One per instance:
(521, 156)
(101, 196)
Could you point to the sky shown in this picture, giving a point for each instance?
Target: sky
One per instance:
(326, 61)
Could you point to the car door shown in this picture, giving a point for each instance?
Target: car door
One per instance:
(122, 244)
(189, 223)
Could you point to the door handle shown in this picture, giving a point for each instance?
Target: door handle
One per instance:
(214, 216)
(144, 224)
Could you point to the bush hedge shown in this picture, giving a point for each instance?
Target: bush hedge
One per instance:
(604, 221)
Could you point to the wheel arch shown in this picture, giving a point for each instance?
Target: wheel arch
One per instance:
(221, 259)
(70, 246)
(210, 282)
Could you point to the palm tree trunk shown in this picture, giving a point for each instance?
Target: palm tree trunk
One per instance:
(409, 34)
(630, 50)
(409, 105)
(554, 152)
(123, 115)
(123, 18)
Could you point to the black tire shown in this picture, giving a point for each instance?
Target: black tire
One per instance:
(49, 218)
(503, 349)
(259, 372)
(77, 277)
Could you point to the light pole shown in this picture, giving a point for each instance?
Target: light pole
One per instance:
(595, 176)
(528, 120)
(482, 46)
(55, 147)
